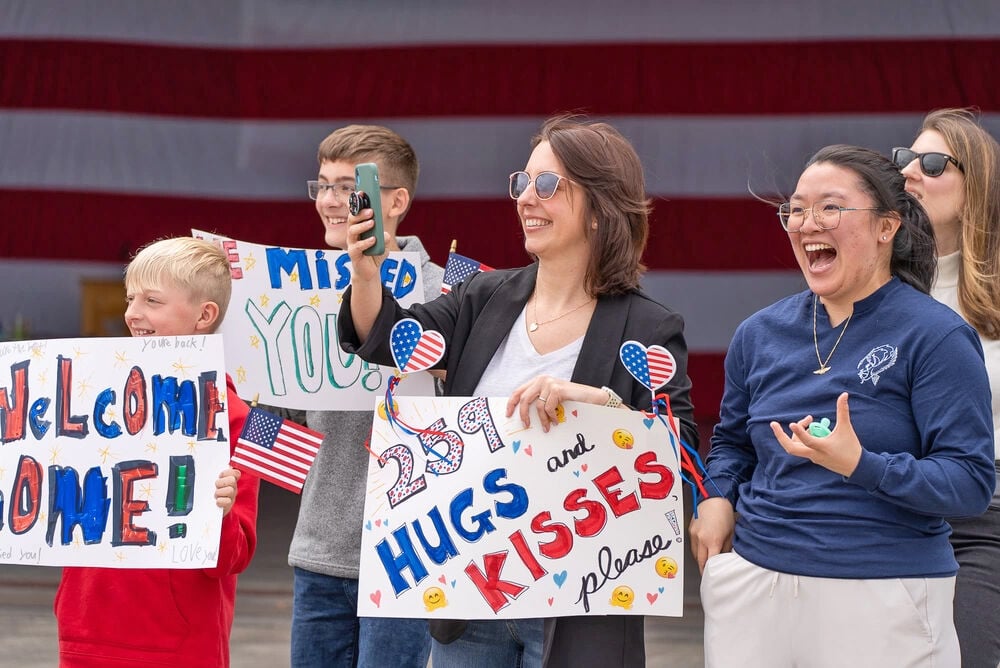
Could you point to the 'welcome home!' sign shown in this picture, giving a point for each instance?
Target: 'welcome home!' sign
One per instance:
(110, 451)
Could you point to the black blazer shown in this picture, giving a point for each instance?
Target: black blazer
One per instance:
(474, 318)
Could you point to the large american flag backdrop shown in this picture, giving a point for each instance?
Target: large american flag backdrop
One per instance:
(126, 120)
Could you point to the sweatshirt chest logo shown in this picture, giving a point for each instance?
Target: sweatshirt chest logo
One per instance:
(876, 362)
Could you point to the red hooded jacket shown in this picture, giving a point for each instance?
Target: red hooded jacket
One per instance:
(111, 617)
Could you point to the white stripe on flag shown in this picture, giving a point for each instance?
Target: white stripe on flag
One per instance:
(426, 353)
(266, 472)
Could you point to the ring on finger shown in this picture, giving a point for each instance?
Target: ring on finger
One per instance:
(542, 399)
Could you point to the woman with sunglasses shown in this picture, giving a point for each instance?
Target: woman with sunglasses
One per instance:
(855, 418)
(541, 335)
(953, 169)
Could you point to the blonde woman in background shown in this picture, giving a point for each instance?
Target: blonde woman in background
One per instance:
(953, 169)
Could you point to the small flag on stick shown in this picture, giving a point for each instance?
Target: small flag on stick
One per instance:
(276, 450)
(459, 268)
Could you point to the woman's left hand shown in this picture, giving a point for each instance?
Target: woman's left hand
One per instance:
(839, 452)
(545, 393)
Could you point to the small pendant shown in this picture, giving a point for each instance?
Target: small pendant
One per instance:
(533, 326)
(820, 371)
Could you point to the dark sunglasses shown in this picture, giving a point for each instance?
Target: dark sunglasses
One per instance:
(931, 164)
(546, 184)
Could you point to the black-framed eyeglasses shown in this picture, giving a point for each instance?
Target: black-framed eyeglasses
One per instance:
(546, 184)
(826, 215)
(341, 191)
(931, 163)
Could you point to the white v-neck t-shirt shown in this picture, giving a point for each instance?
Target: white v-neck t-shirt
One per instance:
(516, 362)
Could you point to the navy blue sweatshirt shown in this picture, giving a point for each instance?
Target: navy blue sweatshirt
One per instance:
(920, 405)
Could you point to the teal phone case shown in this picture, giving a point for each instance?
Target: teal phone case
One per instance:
(366, 181)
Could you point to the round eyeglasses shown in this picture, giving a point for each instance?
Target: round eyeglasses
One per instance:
(826, 215)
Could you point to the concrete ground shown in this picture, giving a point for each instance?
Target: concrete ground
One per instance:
(263, 606)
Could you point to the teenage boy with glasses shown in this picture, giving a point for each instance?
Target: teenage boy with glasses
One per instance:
(326, 546)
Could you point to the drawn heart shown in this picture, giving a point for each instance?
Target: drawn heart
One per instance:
(575, 413)
(576, 473)
(376, 597)
(443, 580)
(453, 584)
(560, 578)
(516, 445)
(551, 599)
(413, 349)
(652, 598)
(527, 450)
(368, 525)
(652, 366)
(660, 589)
(648, 422)
(583, 467)
(378, 523)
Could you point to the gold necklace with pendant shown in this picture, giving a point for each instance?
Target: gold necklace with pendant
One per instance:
(823, 368)
(534, 307)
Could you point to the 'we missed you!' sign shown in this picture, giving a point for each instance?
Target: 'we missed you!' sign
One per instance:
(473, 516)
(280, 330)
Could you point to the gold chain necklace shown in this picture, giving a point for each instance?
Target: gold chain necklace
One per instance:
(534, 307)
(823, 368)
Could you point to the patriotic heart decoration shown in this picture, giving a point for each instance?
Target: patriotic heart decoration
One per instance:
(414, 349)
(653, 366)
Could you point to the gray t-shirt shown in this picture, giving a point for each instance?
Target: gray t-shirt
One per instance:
(327, 536)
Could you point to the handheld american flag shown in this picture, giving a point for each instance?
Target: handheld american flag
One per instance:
(276, 450)
(458, 269)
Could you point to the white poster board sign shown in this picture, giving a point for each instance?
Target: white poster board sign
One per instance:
(480, 518)
(281, 326)
(110, 451)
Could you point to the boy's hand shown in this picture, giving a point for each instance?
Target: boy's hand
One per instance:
(225, 490)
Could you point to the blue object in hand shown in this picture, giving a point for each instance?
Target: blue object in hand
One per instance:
(820, 429)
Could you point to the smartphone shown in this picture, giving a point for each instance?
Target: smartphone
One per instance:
(366, 182)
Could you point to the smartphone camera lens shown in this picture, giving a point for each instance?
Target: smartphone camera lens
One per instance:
(357, 202)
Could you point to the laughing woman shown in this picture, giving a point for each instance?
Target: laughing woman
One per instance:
(542, 335)
(953, 169)
(840, 553)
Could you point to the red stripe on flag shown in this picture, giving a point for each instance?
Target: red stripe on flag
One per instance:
(268, 459)
(427, 352)
(708, 378)
(862, 76)
(262, 471)
(685, 233)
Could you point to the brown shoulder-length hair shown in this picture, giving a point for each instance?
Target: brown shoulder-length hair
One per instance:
(396, 159)
(979, 270)
(603, 163)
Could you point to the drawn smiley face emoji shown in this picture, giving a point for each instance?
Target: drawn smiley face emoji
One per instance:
(666, 568)
(434, 599)
(381, 409)
(623, 597)
(623, 439)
